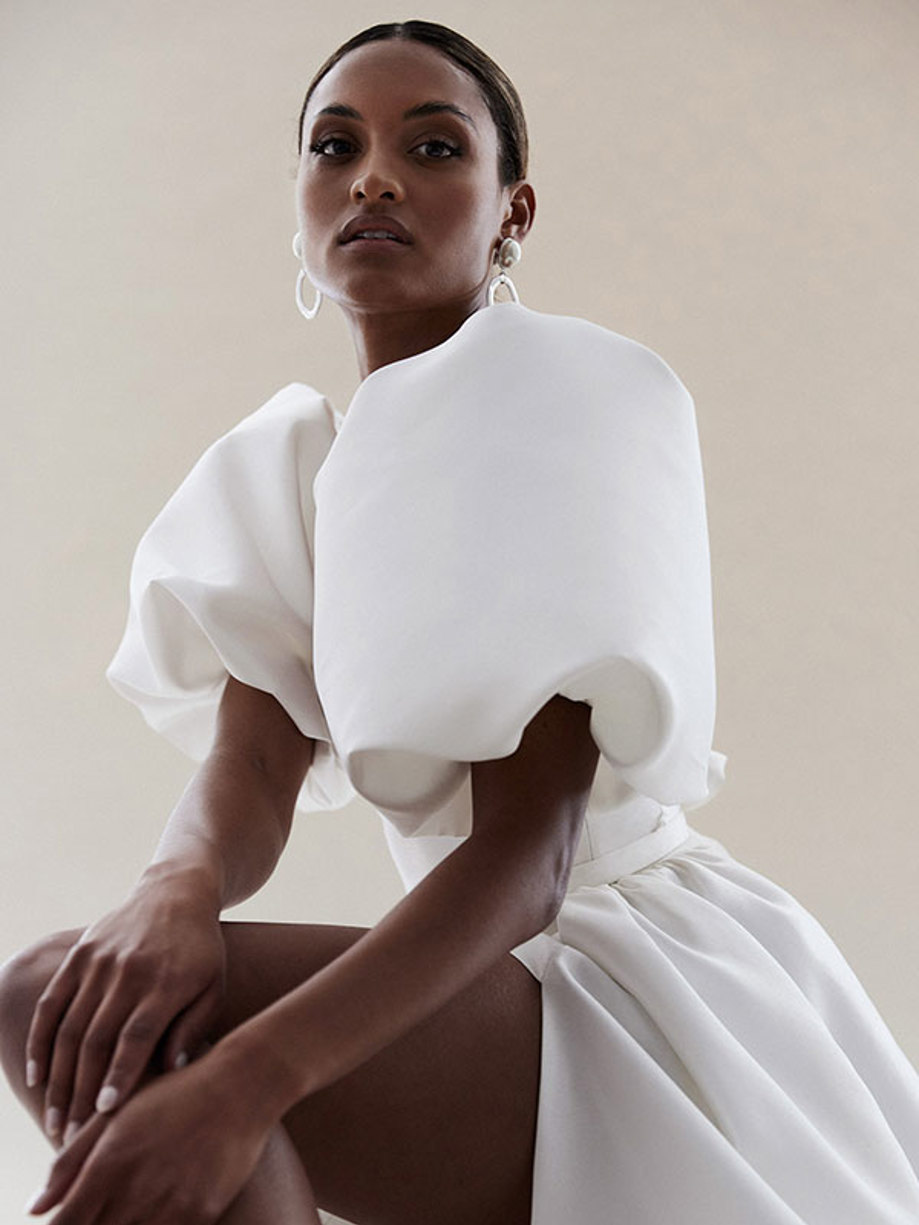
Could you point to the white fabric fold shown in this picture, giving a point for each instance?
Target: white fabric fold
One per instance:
(709, 1056)
(222, 584)
(515, 513)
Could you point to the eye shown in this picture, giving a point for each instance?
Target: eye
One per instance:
(439, 150)
(434, 148)
(320, 146)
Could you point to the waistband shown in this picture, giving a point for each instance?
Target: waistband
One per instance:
(672, 830)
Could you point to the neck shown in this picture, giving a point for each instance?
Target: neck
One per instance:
(383, 337)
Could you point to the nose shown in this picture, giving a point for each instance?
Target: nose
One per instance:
(376, 182)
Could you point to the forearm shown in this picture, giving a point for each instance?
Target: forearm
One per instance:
(477, 904)
(226, 833)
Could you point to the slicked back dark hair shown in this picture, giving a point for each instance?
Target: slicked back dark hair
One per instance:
(497, 90)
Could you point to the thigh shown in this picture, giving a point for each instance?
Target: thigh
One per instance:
(439, 1127)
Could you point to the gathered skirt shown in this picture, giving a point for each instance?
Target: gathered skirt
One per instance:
(709, 1057)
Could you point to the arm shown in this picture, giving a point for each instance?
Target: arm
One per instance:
(501, 886)
(156, 963)
(233, 821)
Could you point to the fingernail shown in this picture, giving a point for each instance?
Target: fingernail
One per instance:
(53, 1120)
(72, 1129)
(34, 1200)
(106, 1099)
(31, 1074)
(181, 1060)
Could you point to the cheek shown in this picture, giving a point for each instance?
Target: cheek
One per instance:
(473, 226)
(314, 222)
(308, 203)
(313, 193)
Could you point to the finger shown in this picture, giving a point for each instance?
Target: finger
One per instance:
(190, 1031)
(82, 1202)
(67, 1166)
(95, 1055)
(49, 1008)
(67, 1040)
(136, 1044)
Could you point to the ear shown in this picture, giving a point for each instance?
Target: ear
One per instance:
(520, 211)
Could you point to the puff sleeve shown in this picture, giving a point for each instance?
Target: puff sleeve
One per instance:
(517, 512)
(222, 583)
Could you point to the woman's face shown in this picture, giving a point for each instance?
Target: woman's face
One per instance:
(397, 134)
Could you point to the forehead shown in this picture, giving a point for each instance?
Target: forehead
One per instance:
(390, 76)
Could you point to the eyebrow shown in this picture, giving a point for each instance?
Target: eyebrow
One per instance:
(425, 108)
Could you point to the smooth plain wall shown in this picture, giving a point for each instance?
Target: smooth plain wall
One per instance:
(732, 182)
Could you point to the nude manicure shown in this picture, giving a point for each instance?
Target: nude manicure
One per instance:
(106, 1099)
(34, 1200)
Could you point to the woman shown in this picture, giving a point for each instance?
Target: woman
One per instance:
(482, 600)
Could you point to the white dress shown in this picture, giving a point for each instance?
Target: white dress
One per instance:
(519, 512)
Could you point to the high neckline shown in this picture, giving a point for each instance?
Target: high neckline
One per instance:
(400, 363)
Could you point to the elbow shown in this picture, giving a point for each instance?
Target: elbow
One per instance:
(553, 905)
(526, 885)
(549, 901)
(538, 884)
(556, 889)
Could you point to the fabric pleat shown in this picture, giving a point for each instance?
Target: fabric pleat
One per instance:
(740, 1072)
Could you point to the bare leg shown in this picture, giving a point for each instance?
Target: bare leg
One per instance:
(278, 1192)
(439, 1127)
(436, 1129)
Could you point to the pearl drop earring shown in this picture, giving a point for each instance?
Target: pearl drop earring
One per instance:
(509, 253)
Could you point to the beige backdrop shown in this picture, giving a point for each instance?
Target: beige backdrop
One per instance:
(732, 182)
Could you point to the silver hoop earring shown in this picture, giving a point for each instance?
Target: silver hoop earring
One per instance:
(509, 253)
(308, 312)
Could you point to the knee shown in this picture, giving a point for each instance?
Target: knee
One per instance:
(22, 979)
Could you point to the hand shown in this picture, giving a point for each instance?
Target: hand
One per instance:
(156, 962)
(178, 1153)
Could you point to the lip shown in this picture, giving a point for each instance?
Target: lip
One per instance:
(368, 221)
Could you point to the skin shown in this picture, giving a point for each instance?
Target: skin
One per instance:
(399, 300)
(319, 1053)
